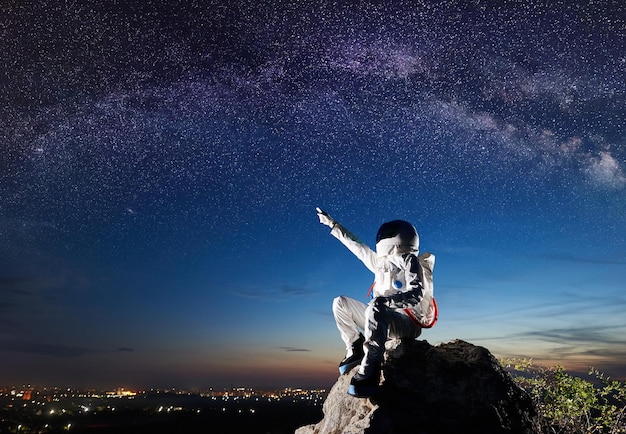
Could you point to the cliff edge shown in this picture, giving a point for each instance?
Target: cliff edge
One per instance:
(454, 387)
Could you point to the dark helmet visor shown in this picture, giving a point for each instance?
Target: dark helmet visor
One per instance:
(397, 227)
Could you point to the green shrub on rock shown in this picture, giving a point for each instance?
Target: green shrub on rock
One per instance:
(568, 404)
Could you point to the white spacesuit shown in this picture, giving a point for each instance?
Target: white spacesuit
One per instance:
(402, 301)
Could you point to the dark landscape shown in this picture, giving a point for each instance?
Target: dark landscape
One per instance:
(159, 412)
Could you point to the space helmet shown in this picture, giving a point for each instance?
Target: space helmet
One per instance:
(397, 236)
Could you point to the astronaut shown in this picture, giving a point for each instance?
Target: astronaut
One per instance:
(397, 309)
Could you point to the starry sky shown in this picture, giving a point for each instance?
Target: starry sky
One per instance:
(161, 163)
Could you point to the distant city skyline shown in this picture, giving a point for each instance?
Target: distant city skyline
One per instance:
(40, 411)
(161, 164)
(122, 392)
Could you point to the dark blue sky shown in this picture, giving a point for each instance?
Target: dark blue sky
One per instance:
(161, 164)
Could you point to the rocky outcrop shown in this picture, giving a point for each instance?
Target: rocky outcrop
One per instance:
(455, 387)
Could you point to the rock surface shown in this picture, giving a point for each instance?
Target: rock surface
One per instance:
(455, 387)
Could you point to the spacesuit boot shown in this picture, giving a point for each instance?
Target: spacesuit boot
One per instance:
(365, 385)
(351, 360)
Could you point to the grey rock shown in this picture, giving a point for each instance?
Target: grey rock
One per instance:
(454, 387)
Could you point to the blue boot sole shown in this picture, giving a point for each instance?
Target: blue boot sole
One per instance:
(347, 367)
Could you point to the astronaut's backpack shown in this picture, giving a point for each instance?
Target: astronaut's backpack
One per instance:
(428, 304)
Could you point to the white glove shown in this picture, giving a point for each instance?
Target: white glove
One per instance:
(325, 219)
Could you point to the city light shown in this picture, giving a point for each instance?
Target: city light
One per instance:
(66, 409)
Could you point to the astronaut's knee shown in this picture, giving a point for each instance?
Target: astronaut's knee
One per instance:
(339, 303)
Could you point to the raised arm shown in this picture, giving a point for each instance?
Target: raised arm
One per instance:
(348, 239)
